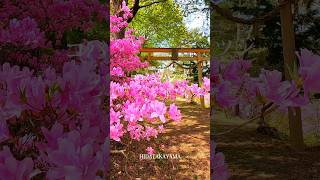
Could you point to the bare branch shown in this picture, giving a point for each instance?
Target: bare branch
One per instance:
(150, 4)
(136, 7)
(118, 152)
(247, 122)
(229, 15)
(241, 54)
(225, 51)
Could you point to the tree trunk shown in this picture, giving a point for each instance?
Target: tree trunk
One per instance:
(211, 55)
(288, 42)
(116, 6)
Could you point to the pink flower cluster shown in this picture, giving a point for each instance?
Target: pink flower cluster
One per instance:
(123, 52)
(53, 122)
(142, 101)
(309, 72)
(116, 22)
(219, 169)
(233, 85)
(54, 15)
(22, 33)
(52, 108)
(34, 33)
(58, 122)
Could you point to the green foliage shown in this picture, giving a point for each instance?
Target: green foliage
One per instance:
(195, 39)
(161, 24)
(100, 31)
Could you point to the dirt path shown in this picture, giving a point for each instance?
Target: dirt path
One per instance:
(252, 156)
(189, 138)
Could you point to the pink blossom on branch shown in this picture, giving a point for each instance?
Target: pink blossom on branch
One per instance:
(150, 150)
(309, 71)
(14, 169)
(174, 113)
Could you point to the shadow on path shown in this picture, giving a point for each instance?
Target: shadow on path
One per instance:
(190, 138)
(251, 156)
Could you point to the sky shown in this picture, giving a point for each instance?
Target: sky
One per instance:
(199, 20)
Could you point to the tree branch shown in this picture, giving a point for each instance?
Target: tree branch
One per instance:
(118, 152)
(136, 7)
(150, 4)
(247, 122)
(229, 15)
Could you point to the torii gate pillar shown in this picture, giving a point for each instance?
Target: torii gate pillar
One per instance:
(199, 64)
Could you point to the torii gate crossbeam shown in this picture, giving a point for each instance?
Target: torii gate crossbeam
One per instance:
(197, 54)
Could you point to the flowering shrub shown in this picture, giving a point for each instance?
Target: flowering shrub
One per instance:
(138, 104)
(268, 88)
(219, 169)
(52, 108)
(141, 100)
(57, 120)
(35, 33)
(232, 85)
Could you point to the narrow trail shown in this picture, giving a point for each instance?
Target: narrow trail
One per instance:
(191, 139)
(251, 156)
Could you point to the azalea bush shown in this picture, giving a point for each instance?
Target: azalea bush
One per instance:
(53, 122)
(52, 107)
(138, 104)
(36, 33)
(232, 85)
(219, 168)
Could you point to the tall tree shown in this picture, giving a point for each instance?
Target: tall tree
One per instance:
(288, 43)
(161, 24)
(135, 6)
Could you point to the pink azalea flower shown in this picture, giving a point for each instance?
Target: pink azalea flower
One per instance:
(117, 71)
(135, 131)
(116, 131)
(23, 32)
(194, 89)
(13, 169)
(74, 161)
(150, 132)
(132, 113)
(206, 84)
(4, 131)
(114, 116)
(35, 94)
(280, 92)
(150, 150)
(235, 71)
(309, 71)
(51, 136)
(158, 110)
(218, 165)
(161, 128)
(174, 113)
(225, 95)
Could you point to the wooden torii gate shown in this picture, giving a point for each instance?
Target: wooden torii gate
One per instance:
(196, 55)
